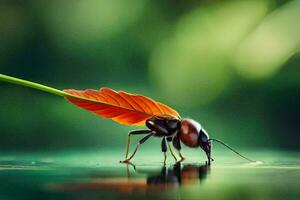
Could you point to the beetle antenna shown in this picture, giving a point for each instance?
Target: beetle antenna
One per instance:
(226, 145)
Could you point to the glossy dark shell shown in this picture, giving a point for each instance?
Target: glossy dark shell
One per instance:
(189, 132)
(164, 125)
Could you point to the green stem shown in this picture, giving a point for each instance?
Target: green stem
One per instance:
(32, 85)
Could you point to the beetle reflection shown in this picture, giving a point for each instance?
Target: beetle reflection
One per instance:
(165, 179)
(178, 175)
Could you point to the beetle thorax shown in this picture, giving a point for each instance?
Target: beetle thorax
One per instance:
(163, 125)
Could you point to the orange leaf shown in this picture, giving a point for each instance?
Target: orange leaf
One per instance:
(122, 107)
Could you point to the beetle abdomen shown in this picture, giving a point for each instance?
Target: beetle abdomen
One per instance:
(189, 132)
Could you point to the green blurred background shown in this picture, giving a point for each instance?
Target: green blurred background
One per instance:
(231, 65)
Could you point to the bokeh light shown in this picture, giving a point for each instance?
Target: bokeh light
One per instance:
(82, 24)
(271, 44)
(193, 65)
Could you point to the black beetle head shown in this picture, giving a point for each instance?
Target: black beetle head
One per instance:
(205, 143)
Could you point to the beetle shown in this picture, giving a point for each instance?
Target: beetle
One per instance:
(177, 131)
(174, 130)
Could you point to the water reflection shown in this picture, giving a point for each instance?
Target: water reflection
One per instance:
(141, 180)
(180, 175)
(23, 164)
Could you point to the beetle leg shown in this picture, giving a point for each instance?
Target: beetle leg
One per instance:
(144, 139)
(177, 145)
(172, 153)
(164, 148)
(137, 132)
(182, 158)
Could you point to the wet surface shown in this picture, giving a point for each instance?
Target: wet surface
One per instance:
(99, 175)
